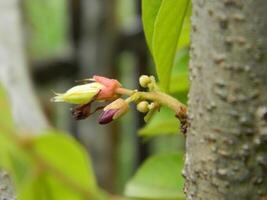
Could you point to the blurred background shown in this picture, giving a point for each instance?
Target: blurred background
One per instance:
(67, 40)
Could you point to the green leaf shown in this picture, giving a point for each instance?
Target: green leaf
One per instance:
(158, 178)
(67, 172)
(167, 28)
(62, 170)
(184, 39)
(7, 129)
(46, 186)
(163, 122)
(180, 75)
(149, 13)
(67, 160)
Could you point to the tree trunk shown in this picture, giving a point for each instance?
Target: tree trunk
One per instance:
(227, 140)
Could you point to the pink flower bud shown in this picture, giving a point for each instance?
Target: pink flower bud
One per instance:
(108, 92)
(113, 111)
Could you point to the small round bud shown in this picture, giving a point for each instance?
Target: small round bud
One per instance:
(143, 107)
(144, 80)
(151, 106)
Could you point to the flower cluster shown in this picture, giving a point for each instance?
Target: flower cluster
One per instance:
(97, 89)
(101, 89)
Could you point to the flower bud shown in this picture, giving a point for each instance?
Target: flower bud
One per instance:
(113, 111)
(108, 92)
(144, 81)
(143, 107)
(81, 94)
(151, 106)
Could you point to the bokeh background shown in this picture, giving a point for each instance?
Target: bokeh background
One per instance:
(69, 40)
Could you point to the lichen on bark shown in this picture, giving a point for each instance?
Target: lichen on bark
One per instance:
(227, 141)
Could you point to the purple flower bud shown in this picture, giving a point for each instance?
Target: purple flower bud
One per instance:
(107, 116)
(113, 111)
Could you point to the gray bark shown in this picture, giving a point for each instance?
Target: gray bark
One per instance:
(14, 77)
(227, 141)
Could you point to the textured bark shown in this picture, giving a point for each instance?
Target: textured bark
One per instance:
(227, 141)
(14, 77)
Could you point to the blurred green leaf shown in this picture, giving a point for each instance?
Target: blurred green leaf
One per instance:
(167, 28)
(163, 22)
(46, 186)
(163, 122)
(7, 129)
(184, 39)
(158, 178)
(149, 13)
(180, 75)
(47, 26)
(180, 83)
(49, 166)
(67, 170)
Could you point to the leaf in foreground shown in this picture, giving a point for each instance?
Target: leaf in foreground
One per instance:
(158, 178)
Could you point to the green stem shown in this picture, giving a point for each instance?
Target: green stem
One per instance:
(163, 99)
(159, 97)
(125, 91)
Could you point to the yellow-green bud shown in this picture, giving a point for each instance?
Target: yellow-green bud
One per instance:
(144, 80)
(151, 106)
(80, 94)
(143, 107)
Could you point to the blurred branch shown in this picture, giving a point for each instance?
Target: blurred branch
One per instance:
(132, 41)
(52, 70)
(13, 70)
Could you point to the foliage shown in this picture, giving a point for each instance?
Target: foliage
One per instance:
(158, 178)
(163, 21)
(163, 122)
(179, 77)
(40, 165)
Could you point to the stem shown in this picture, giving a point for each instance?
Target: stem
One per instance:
(161, 98)
(125, 91)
